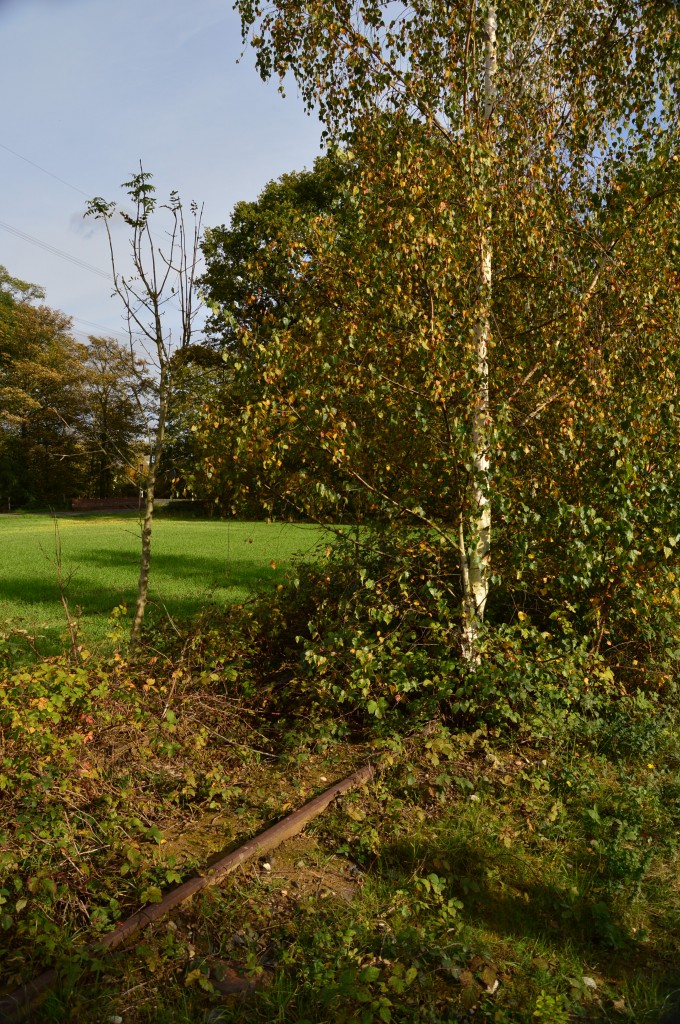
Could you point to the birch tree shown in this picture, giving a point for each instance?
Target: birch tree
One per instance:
(475, 559)
(157, 294)
(531, 116)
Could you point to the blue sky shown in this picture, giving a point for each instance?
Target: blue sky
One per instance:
(89, 88)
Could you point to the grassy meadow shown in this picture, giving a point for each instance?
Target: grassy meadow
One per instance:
(194, 562)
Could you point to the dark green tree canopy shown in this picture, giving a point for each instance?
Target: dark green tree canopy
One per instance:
(247, 280)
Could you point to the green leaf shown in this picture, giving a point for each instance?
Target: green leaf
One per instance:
(152, 894)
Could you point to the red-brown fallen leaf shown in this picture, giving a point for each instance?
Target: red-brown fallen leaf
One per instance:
(225, 980)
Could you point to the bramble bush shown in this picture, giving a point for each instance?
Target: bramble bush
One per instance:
(376, 647)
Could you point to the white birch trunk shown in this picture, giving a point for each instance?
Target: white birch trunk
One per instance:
(475, 559)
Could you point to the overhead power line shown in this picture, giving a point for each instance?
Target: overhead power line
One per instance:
(50, 248)
(55, 252)
(100, 327)
(43, 169)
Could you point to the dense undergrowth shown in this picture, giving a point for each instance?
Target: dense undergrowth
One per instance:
(514, 860)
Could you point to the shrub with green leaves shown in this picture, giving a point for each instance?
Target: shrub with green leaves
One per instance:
(377, 646)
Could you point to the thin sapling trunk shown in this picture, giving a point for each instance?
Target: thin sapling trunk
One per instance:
(159, 275)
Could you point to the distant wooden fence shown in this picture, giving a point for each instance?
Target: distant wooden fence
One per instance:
(131, 503)
(104, 504)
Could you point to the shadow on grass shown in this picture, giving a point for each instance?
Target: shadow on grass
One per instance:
(22, 641)
(223, 569)
(202, 573)
(181, 587)
(505, 901)
(503, 897)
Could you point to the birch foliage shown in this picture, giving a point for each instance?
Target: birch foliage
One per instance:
(528, 202)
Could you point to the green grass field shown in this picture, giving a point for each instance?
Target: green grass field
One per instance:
(194, 562)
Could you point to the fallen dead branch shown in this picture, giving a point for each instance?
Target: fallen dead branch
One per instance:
(17, 1006)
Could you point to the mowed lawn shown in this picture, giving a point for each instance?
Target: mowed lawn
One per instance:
(193, 563)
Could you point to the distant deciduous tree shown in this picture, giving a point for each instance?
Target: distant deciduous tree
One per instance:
(43, 399)
(247, 280)
(119, 392)
(72, 416)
